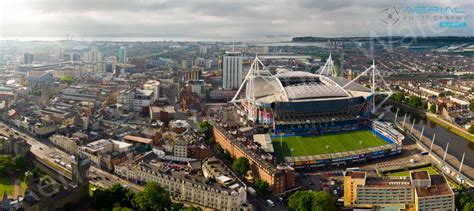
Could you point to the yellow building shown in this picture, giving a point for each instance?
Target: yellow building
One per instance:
(418, 192)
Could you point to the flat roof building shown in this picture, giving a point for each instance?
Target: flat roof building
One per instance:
(420, 191)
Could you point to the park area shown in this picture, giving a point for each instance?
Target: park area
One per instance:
(14, 186)
(293, 146)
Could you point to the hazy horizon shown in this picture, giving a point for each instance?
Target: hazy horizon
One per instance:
(231, 20)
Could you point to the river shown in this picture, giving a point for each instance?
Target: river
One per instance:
(457, 146)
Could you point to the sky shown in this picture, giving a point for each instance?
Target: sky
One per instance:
(223, 19)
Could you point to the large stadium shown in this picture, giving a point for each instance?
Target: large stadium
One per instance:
(316, 119)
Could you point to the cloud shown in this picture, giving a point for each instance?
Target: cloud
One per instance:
(206, 18)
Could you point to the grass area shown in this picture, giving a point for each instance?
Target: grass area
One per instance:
(293, 146)
(7, 184)
(430, 169)
(452, 129)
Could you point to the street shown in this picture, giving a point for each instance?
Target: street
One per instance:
(46, 151)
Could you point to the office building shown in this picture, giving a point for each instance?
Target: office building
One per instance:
(137, 100)
(28, 58)
(94, 55)
(419, 191)
(122, 55)
(231, 70)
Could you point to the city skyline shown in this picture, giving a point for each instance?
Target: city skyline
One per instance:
(240, 21)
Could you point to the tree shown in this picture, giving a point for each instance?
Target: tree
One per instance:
(122, 209)
(311, 200)
(471, 105)
(442, 94)
(433, 108)
(471, 129)
(261, 186)
(468, 206)
(322, 201)
(9, 164)
(68, 80)
(399, 96)
(35, 172)
(415, 101)
(153, 197)
(301, 200)
(241, 165)
(464, 200)
(115, 196)
(205, 129)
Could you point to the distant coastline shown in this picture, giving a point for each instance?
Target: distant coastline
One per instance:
(450, 39)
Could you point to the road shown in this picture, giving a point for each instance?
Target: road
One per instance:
(46, 151)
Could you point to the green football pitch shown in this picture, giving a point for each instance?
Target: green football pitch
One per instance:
(293, 146)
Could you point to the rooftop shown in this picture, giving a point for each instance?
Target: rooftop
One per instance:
(420, 175)
(137, 139)
(439, 186)
(384, 183)
(357, 175)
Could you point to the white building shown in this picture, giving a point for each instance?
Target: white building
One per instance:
(189, 189)
(153, 85)
(94, 55)
(231, 70)
(198, 87)
(136, 99)
(67, 144)
(181, 148)
(94, 151)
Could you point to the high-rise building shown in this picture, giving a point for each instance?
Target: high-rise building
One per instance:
(123, 55)
(29, 58)
(231, 70)
(94, 55)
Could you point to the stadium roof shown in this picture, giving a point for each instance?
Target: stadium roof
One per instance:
(301, 86)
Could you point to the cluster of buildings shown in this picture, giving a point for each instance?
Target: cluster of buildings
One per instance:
(451, 98)
(137, 117)
(403, 60)
(208, 183)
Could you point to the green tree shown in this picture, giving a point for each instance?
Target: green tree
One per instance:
(398, 96)
(311, 200)
(464, 200)
(471, 105)
(205, 129)
(154, 197)
(301, 200)
(68, 80)
(35, 172)
(115, 196)
(262, 187)
(122, 209)
(433, 108)
(9, 164)
(415, 101)
(471, 129)
(442, 94)
(241, 165)
(468, 206)
(322, 201)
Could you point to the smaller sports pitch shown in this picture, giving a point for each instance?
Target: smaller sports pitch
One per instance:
(294, 146)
